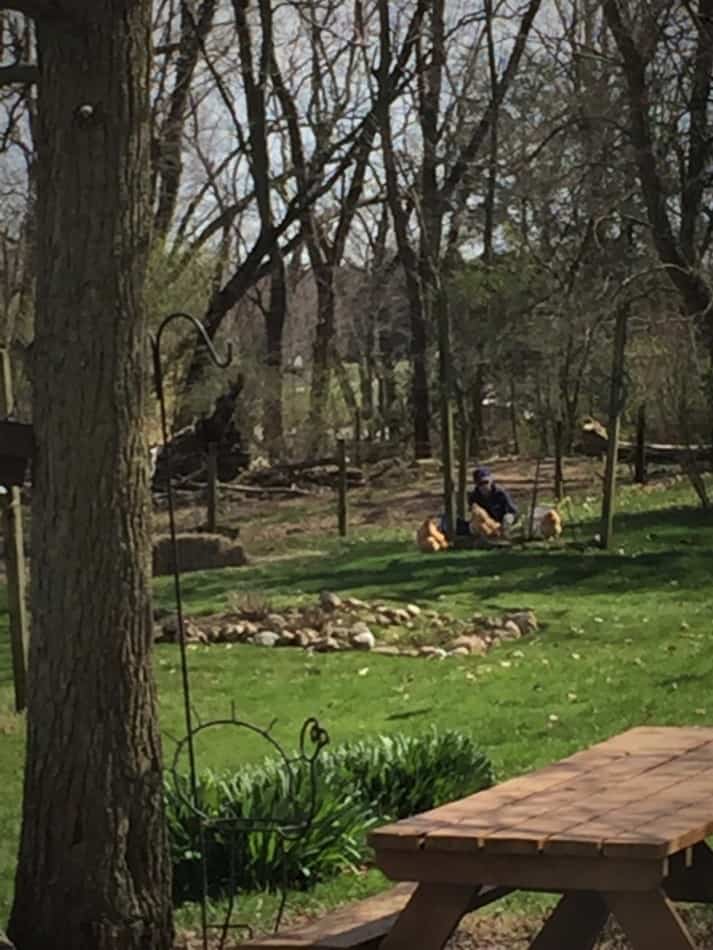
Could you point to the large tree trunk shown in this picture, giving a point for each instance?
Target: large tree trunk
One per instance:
(93, 870)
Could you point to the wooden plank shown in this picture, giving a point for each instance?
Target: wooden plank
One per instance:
(363, 925)
(643, 794)
(360, 925)
(650, 921)
(576, 923)
(529, 872)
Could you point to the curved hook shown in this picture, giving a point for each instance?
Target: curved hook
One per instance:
(202, 332)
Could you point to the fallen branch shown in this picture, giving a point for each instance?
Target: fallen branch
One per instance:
(289, 492)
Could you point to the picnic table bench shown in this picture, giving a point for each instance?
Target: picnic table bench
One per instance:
(616, 829)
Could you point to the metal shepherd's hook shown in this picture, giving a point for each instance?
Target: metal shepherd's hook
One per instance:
(158, 380)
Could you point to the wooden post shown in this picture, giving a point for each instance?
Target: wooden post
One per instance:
(615, 407)
(14, 556)
(640, 459)
(357, 437)
(535, 492)
(463, 454)
(559, 479)
(342, 488)
(212, 487)
(446, 389)
(513, 415)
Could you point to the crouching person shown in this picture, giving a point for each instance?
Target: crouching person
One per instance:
(492, 508)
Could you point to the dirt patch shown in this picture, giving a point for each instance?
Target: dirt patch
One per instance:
(266, 523)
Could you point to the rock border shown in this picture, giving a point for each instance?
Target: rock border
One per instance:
(335, 624)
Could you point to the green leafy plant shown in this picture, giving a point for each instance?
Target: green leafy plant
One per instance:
(359, 785)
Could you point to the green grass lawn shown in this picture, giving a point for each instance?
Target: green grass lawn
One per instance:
(626, 638)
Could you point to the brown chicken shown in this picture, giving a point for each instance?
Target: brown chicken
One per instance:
(482, 525)
(551, 524)
(430, 538)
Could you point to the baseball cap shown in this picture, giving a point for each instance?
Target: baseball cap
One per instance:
(482, 475)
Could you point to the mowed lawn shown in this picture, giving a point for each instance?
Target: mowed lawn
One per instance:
(626, 638)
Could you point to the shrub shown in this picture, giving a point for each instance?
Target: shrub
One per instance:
(359, 785)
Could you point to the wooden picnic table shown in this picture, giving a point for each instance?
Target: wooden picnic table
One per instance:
(618, 828)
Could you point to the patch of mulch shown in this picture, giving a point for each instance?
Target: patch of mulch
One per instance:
(510, 932)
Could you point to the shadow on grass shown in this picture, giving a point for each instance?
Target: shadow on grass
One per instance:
(654, 559)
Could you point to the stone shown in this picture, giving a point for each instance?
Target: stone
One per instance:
(330, 601)
(275, 622)
(383, 620)
(400, 615)
(250, 628)
(303, 639)
(232, 633)
(525, 620)
(364, 640)
(459, 651)
(470, 642)
(266, 638)
(359, 627)
(429, 651)
(355, 603)
(326, 645)
(414, 610)
(388, 649)
(510, 631)
(287, 639)
(170, 627)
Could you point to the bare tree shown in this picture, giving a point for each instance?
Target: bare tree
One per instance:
(671, 49)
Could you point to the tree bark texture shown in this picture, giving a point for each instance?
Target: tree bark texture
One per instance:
(93, 872)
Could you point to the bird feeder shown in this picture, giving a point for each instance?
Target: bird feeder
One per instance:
(16, 450)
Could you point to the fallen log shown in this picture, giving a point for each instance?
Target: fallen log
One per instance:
(325, 474)
(594, 440)
(287, 492)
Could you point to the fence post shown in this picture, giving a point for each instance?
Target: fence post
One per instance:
(212, 487)
(615, 407)
(342, 488)
(357, 437)
(559, 478)
(640, 459)
(14, 555)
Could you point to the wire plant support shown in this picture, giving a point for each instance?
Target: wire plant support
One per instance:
(294, 823)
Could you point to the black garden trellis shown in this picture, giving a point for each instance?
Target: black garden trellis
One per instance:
(312, 738)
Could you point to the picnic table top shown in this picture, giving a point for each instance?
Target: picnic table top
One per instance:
(644, 794)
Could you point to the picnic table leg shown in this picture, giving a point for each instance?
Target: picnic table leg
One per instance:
(575, 923)
(430, 917)
(691, 875)
(650, 921)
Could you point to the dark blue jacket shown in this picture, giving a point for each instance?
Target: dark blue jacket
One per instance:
(497, 502)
